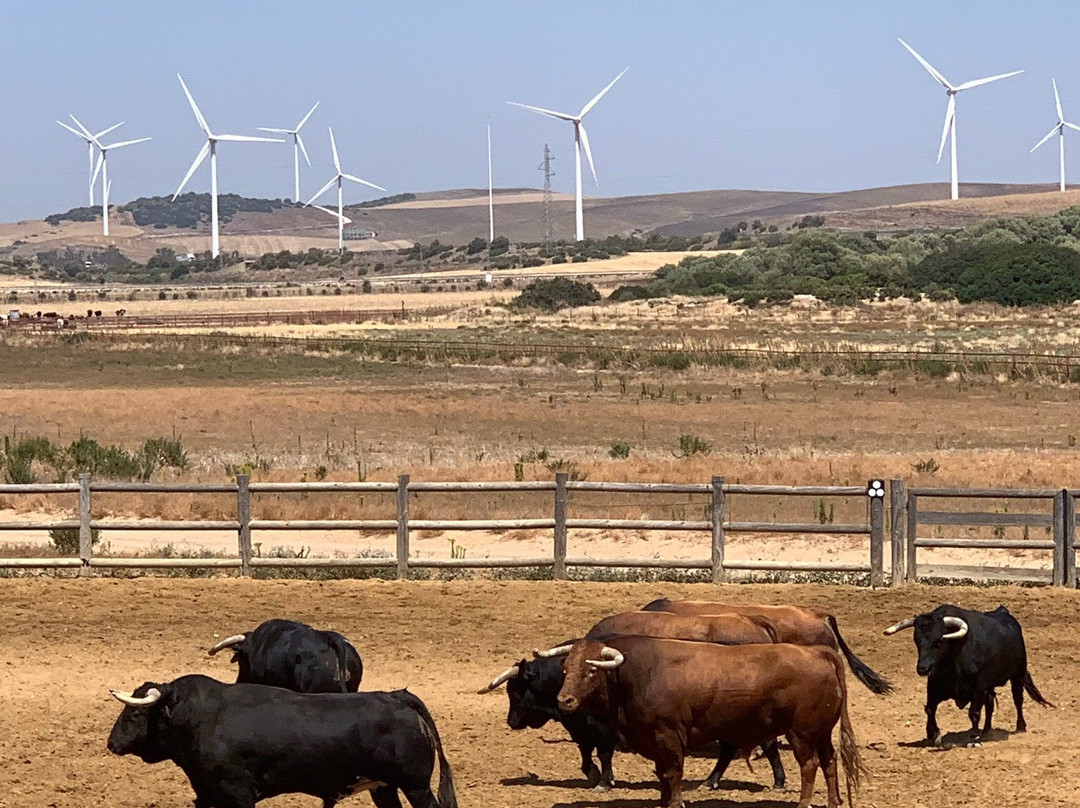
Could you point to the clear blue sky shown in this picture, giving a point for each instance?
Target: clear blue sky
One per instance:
(764, 95)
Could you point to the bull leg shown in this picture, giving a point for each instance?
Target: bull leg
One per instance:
(975, 712)
(771, 752)
(420, 798)
(670, 774)
(723, 760)
(827, 758)
(1018, 699)
(933, 734)
(807, 758)
(607, 776)
(990, 699)
(383, 797)
(588, 768)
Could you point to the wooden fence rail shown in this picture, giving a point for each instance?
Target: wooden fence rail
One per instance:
(905, 514)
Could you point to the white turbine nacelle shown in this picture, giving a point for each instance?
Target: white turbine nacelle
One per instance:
(338, 177)
(298, 146)
(210, 147)
(89, 138)
(949, 130)
(581, 139)
(1059, 130)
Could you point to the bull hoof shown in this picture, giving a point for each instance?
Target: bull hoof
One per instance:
(713, 784)
(601, 787)
(974, 745)
(937, 740)
(1021, 726)
(594, 777)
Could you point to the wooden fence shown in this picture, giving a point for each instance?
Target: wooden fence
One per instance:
(109, 321)
(908, 514)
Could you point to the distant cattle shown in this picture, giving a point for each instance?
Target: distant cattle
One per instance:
(242, 743)
(667, 697)
(964, 655)
(293, 655)
(798, 625)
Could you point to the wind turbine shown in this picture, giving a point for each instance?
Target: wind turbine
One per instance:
(338, 177)
(1060, 130)
(581, 138)
(298, 146)
(491, 196)
(89, 147)
(949, 131)
(103, 167)
(210, 147)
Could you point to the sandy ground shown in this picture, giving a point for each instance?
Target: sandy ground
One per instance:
(445, 640)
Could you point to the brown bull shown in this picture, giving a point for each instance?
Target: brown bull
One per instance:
(666, 697)
(799, 625)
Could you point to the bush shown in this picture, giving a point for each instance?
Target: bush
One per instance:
(66, 539)
(690, 444)
(556, 293)
(620, 450)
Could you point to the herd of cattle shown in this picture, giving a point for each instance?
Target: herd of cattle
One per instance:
(659, 682)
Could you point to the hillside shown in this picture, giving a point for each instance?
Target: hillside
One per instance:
(457, 216)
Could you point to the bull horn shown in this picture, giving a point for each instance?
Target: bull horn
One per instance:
(612, 658)
(505, 676)
(558, 650)
(151, 697)
(228, 642)
(960, 628)
(900, 626)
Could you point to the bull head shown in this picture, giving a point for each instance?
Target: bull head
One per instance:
(932, 638)
(585, 686)
(510, 673)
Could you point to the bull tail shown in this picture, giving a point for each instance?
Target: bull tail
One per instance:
(854, 769)
(447, 797)
(864, 673)
(1033, 692)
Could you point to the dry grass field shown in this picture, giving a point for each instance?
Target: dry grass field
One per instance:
(66, 643)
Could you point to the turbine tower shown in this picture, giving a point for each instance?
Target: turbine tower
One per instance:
(102, 166)
(298, 146)
(491, 196)
(89, 147)
(210, 147)
(338, 177)
(581, 139)
(949, 131)
(1058, 129)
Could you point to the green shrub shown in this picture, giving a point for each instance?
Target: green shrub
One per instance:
(690, 444)
(66, 539)
(556, 293)
(620, 450)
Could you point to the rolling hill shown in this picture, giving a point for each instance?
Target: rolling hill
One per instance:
(457, 216)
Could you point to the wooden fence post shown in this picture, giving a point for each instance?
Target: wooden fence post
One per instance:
(243, 517)
(719, 512)
(911, 512)
(559, 568)
(86, 535)
(896, 532)
(875, 491)
(1058, 576)
(403, 526)
(1070, 539)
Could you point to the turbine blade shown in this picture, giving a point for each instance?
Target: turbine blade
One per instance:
(205, 150)
(967, 85)
(125, 143)
(929, 67)
(600, 95)
(588, 152)
(303, 120)
(279, 131)
(363, 182)
(194, 107)
(322, 191)
(248, 139)
(333, 148)
(104, 132)
(333, 213)
(1057, 103)
(950, 113)
(1071, 125)
(75, 131)
(97, 168)
(560, 115)
(300, 143)
(1049, 135)
(85, 131)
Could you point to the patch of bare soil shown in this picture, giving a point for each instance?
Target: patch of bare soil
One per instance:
(65, 642)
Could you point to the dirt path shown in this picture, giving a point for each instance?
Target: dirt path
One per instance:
(63, 643)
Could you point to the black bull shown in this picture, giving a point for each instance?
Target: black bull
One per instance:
(242, 743)
(965, 654)
(533, 689)
(285, 653)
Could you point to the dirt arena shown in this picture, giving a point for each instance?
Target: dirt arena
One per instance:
(65, 642)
